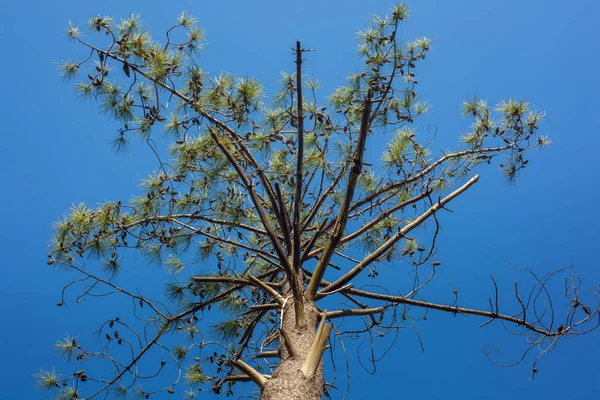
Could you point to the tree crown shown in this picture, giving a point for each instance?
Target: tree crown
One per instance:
(276, 199)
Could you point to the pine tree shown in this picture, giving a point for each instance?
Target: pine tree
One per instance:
(278, 203)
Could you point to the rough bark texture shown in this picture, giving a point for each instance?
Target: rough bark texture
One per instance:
(288, 382)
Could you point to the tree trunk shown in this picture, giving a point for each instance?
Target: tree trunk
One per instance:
(288, 382)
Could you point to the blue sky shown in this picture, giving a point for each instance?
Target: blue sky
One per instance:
(54, 152)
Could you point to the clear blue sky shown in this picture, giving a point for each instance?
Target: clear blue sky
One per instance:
(54, 151)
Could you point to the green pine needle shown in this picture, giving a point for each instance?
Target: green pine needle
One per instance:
(68, 70)
(179, 352)
(228, 330)
(194, 376)
(175, 291)
(111, 267)
(68, 393)
(120, 144)
(73, 31)
(67, 346)
(47, 379)
(119, 391)
(186, 20)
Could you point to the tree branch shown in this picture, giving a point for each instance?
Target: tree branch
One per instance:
(315, 208)
(310, 365)
(261, 212)
(355, 312)
(241, 378)
(267, 289)
(288, 343)
(401, 233)
(284, 221)
(254, 375)
(375, 221)
(453, 309)
(265, 255)
(299, 159)
(342, 218)
(269, 354)
(425, 172)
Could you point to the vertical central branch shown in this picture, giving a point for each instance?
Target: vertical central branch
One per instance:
(299, 158)
(298, 286)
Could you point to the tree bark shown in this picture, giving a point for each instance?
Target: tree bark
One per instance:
(288, 382)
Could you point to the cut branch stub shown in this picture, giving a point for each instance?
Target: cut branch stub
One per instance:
(288, 343)
(318, 346)
(254, 375)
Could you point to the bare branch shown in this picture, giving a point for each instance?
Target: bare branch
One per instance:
(453, 310)
(269, 354)
(400, 234)
(376, 220)
(267, 289)
(354, 312)
(254, 375)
